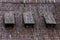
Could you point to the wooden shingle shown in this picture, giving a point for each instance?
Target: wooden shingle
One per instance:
(9, 18)
(49, 19)
(28, 18)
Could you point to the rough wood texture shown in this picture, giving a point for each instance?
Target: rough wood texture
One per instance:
(28, 18)
(10, 6)
(39, 31)
(30, 1)
(9, 18)
(45, 10)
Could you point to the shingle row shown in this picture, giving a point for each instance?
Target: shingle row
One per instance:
(31, 1)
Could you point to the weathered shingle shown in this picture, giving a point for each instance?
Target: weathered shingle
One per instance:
(28, 18)
(9, 18)
(49, 19)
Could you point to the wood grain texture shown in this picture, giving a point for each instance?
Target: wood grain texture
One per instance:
(30, 1)
(49, 19)
(38, 32)
(46, 10)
